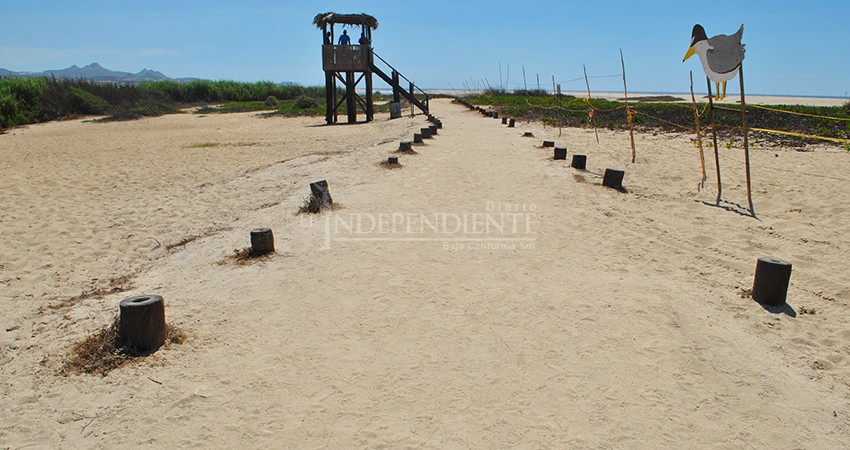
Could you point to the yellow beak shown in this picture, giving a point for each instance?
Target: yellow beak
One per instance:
(690, 53)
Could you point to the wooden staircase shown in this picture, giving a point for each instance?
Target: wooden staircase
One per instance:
(394, 80)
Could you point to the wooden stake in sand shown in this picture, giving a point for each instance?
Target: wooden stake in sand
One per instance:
(699, 133)
(587, 100)
(746, 141)
(714, 139)
(629, 114)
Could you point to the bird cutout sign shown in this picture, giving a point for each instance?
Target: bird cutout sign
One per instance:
(721, 56)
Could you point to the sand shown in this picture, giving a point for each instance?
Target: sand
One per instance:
(592, 318)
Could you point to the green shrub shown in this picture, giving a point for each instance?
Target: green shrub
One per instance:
(84, 102)
(271, 102)
(305, 102)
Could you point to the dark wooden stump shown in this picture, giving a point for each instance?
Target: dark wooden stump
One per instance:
(548, 143)
(406, 146)
(511, 123)
(395, 110)
(433, 130)
(504, 120)
(579, 162)
(613, 178)
(439, 124)
(426, 133)
(495, 115)
(560, 153)
(527, 134)
(141, 324)
(417, 138)
(262, 241)
(320, 191)
(770, 283)
(392, 160)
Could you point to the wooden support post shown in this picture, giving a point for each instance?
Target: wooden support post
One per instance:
(330, 93)
(714, 140)
(370, 102)
(412, 111)
(350, 102)
(746, 141)
(396, 87)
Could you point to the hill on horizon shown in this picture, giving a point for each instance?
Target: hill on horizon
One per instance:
(95, 72)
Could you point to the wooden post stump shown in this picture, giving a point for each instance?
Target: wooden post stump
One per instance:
(392, 160)
(262, 241)
(504, 120)
(527, 134)
(511, 123)
(426, 133)
(417, 138)
(560, 153)
(433, 130)
(439, 123)
(406, 146)
(320, 190)
(579, 162)
(613, 178)
(548, 143)
(770, 283)
(141, 324)
(495, 115)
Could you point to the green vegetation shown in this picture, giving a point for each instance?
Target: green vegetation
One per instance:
(33, 100)
(569, 111)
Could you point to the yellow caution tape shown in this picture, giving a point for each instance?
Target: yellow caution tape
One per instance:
(797, 113)
(811, 136)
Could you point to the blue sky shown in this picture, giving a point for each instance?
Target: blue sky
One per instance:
(793, 47)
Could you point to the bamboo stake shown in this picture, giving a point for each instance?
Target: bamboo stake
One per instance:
(558, 100)
(746, 142)
(699, 133)
(587, 99)
(714, 139)
(524, 83)
(628, 109)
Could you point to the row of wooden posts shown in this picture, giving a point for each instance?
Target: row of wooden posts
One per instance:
(772, 275)
(612, 178)
(142, 323)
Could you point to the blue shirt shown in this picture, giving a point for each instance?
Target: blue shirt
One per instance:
(344, 40)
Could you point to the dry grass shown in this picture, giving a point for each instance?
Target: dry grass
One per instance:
(312, 205)
(104, 351)
(117, 284)
(243, 256)
(387, 165)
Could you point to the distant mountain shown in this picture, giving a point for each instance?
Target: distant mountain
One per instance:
(94, 72)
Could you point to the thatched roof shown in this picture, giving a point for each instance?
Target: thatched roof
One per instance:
(330, 18)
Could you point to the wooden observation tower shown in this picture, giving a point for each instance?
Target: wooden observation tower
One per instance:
(352, 60)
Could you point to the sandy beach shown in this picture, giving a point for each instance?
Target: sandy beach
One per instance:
(483, 295)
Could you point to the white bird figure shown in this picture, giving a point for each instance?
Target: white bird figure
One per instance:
(720, 55)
